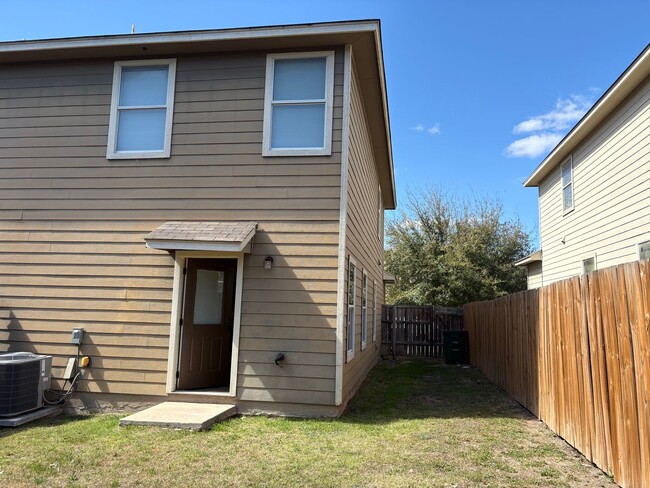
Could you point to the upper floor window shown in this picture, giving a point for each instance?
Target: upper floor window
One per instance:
(567, 185)
(298, 104)
(588, 265)
(142, 107)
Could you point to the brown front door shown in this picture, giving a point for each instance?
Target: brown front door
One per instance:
(207, 326)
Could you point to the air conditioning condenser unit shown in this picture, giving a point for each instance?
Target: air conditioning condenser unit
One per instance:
(23, 378)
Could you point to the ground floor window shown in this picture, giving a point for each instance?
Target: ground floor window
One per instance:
(352, 292)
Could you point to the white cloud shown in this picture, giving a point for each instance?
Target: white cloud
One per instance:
(567, 112)
(433, 130)
(533, 146)
(547, 129)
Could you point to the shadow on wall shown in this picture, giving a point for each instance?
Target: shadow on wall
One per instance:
(15, 338)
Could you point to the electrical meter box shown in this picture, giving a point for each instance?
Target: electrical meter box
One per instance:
(77, 336)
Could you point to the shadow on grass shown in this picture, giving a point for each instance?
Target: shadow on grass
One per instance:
(420, 388)
(53, 422)
(396, 390)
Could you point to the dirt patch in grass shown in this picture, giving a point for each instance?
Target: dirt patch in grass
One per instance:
(413, 424)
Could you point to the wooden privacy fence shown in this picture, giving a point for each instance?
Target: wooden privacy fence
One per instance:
(415, 330)
(576, 354)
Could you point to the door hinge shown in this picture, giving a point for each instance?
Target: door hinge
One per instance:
(178, 374)
(185, 270)
(180, 322)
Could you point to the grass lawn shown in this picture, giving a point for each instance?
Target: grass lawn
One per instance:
(414, 423)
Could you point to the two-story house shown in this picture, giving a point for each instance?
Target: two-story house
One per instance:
(206, 205)
(594, 186)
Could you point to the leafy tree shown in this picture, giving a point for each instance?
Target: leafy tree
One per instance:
(449, 251)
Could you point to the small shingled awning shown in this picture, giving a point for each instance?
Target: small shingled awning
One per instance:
(202, 236)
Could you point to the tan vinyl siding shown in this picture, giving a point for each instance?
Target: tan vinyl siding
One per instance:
(611, 175)
(362, 241)
(72, 225)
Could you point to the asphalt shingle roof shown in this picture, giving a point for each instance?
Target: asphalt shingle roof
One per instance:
(203, 231)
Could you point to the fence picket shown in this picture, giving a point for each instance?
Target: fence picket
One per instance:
(416, 331)
(576, 353)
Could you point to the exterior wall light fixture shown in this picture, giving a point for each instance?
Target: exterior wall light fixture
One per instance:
(268, 262)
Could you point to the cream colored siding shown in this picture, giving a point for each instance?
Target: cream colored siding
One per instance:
(362, 241)
(611, 174)
(534, 271)
(72, 225)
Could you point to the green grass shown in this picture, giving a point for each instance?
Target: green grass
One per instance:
(414, 423)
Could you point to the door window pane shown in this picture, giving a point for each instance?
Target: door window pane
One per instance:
(299, 79)
(208, 297)
(298, 126)
(141, 130)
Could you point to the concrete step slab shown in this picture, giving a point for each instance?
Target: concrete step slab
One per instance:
(181, 415)
(41, 413)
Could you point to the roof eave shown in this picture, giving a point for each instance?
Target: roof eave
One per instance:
(392, 204)
(248, 33)
(531, 258)
(638, 71)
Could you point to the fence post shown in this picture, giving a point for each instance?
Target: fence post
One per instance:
(393, 328)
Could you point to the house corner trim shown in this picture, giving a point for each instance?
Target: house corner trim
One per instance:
(340, 292)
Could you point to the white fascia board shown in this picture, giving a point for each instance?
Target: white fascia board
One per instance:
(178, 245)
(185, 36)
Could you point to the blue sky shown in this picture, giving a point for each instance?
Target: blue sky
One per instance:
(478, 90)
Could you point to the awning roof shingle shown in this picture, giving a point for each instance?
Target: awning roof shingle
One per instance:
(205, 236)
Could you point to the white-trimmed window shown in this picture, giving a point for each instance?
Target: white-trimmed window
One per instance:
(142, 108)
(352, 295)
(589, 264)
(644, 250)
(374, 310)
(364, 309)
(298, 102)
(567, 185)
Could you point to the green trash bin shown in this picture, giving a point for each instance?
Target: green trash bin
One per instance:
(455, 345)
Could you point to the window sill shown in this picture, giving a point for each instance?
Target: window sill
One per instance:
(363, 346)
(568, 211)
(350, 356)
(139, 155)
(296, 152)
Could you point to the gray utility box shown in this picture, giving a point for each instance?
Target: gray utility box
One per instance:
(23, 378)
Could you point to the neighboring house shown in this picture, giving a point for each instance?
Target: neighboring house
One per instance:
(594, 190)
(256, 164)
